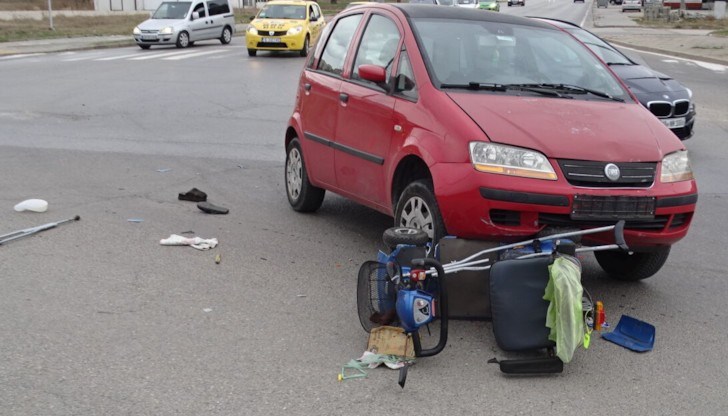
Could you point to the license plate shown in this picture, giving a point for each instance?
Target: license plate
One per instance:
(149, 37)
(674, 123)
(271, 40)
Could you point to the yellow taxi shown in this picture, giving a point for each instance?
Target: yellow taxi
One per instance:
(285, 25)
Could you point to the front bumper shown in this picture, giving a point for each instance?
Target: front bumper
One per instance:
(275, 42)
(503, 208)
(156, 39)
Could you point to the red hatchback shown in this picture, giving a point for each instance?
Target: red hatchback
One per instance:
(484, 126)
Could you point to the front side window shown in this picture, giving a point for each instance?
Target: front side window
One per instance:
(378, 45)
(405, 81)
(467, 52)
(200, 9)
(334, 54)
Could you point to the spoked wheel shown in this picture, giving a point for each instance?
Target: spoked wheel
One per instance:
(227, 36)
(417, 208)
(302, 196)
(183, 40)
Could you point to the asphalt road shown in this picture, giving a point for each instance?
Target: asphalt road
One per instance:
(99, 318)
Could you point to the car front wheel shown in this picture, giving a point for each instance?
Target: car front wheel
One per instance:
(304, 50)
(417, 208)
(302, 196)
(252, 52)
(183, 40)
(632, 267)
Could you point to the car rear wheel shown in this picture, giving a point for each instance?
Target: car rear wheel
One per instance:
(417, 208)
(227, 36)
(183, 40)
(304, 50)
(637, 266)
(302, 196)
(252, 52)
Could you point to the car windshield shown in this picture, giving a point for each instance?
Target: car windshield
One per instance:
(172, 10)
(283, 11)
(601, 48)
(473, 52)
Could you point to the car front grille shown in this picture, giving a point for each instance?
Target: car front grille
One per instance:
(272, 45)
(272, 33)
(591, 174)
(664, 109)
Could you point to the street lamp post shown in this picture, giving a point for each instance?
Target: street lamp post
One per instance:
(50, 15)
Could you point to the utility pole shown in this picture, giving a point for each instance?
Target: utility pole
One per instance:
(50, 15)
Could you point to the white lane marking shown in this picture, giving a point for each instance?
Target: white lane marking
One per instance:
(113, 58)
(158, 55)
(24, 55)
(192, 55)
(703, 64)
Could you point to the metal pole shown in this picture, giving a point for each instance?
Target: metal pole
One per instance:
(50, 15)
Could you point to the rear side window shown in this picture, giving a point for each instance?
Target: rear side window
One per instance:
(334, 54)
(218, 7)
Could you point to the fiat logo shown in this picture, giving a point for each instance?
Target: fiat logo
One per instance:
(271, 33)
(612, 172)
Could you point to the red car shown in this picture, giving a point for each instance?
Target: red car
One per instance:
(484, 126)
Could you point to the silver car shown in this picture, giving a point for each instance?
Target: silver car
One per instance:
(632, 5)
(182, 23)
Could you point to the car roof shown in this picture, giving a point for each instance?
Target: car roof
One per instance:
(290, 2)
(461, 13)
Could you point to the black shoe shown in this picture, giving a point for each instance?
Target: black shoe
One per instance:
(212, 209)
(194, 195)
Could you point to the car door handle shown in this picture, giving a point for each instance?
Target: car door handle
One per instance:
(307, 86)
(343, 97)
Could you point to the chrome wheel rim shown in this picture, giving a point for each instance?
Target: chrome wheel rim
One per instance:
(294, 174)
(416, 214)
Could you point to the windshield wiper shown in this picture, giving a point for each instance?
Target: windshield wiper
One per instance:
(620, 63)
(575, 89)
(476, 86)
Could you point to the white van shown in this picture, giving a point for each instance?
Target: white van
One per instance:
(183, 23)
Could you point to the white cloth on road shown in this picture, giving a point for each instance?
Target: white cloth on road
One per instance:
(195, 242)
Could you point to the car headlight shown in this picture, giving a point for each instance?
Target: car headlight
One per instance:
(252, 30)
(676, 167)
(294, 30)
(166, 30)
(137, 31)
(509, 160)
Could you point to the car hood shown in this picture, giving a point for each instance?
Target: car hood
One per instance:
(642, 80)
(157, 24)
(275, 24)
(571, 128)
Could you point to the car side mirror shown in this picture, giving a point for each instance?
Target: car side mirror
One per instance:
(373, 73)
(404, 83)
(252, 18)
(195, 15)
(313, 18)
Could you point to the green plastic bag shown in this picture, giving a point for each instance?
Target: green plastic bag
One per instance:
(564, 316)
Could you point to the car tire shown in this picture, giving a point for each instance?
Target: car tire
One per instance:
(183, 40)
(623, 266)
(395, 236)
(302, 196)
(417, 208)
(145, 47)
(227, 36)
(304, 50)
(252, 52)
